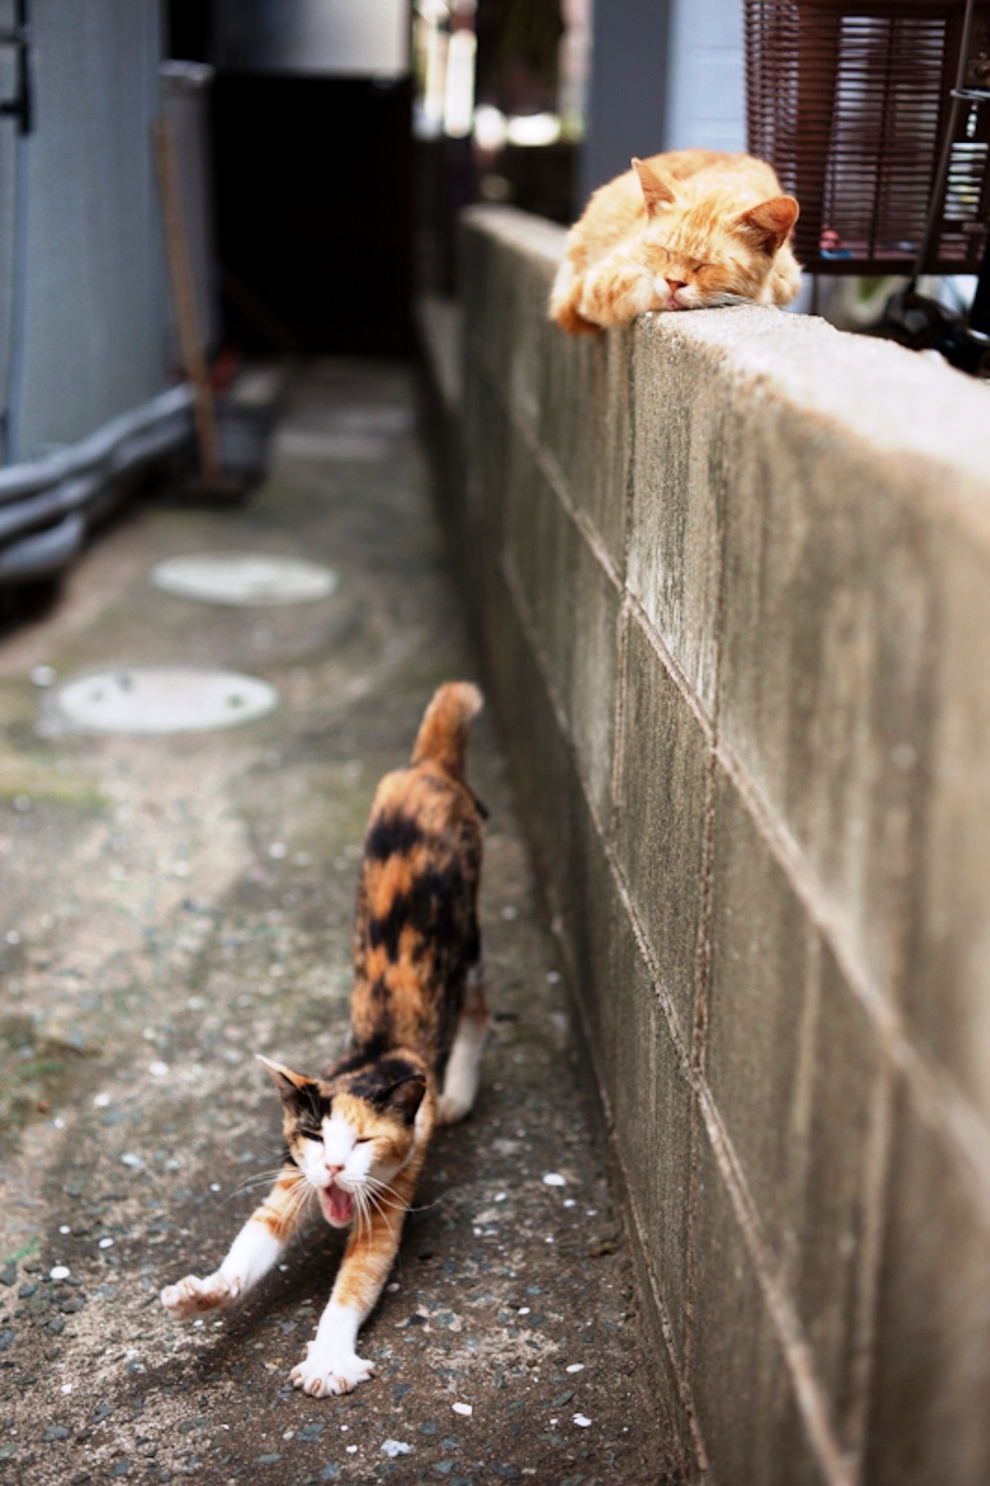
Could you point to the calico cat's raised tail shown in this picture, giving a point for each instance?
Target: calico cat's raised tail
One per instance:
(356, 1138)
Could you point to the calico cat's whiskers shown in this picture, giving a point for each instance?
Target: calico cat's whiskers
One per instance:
(259, 1179)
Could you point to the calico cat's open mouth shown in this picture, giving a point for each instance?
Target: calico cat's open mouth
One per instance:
(337, 1205)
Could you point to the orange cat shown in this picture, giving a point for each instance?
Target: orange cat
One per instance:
(688, 230)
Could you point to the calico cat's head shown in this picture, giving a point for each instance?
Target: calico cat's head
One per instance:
(349, 1136)
(701, 250)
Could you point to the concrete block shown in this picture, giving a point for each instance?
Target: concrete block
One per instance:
(584, 425)
(946, 996)
(540, 545)
(747, 1410)
(931, 1423)
(510, 259)
(825, 665)
(594, 666)
(677, 479)
(651, 1100)
(538, 752)
(660, 818)
(793, 1063)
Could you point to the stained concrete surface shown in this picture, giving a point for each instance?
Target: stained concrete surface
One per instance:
(172, 905)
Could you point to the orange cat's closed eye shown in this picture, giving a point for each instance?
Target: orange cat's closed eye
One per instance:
(691, 229)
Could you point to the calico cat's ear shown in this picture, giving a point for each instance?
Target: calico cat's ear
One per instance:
(657, 189)
(295, 1088)
(769, 223)
(403, 1097)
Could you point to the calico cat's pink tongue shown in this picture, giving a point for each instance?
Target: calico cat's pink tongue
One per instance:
(338, 1204)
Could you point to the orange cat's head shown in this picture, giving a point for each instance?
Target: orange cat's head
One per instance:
(703, 250)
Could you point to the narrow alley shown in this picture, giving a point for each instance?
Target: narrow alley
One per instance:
(176, 902)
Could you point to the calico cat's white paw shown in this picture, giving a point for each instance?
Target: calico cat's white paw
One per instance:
(191, 1295)
(322, 1372)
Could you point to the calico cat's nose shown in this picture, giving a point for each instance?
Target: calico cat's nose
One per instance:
(333, 1170)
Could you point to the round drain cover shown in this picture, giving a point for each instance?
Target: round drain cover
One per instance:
(164, 699)
(245, 578)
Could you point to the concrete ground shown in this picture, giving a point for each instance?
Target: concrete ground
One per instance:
(174, 904)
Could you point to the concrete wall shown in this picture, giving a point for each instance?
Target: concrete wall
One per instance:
(732, 571)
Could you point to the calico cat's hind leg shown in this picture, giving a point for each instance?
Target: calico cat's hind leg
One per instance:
(255, 1250)
(463, 1071)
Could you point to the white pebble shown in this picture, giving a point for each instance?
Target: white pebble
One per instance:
(106, 1243)
(549, 1238)
(44, 675)
(554, 1179)
(553, 976)
(158, 1070)
(524, 1310)
(392, 1448)
(501, 1196)
(575, 1367)
(277, 850)
(582, 1421)
(66, 1387)
(101, 1100)
(463, 1408)
(351, 1449)
(59, 1272)
(133, 1161)
(570, 1202)
(215, 1187)
(392, 1287)
(65, 1228)
(12, 936)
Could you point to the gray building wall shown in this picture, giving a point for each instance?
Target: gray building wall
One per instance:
(732, 571)
(85, 341)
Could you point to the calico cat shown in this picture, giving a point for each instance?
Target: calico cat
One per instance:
(356, 1138)
(688, 230)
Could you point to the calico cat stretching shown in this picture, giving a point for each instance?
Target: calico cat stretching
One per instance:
(357, 1137)
(688, 230)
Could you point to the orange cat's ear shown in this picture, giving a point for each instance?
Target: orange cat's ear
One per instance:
(657, 190)
(770, 222)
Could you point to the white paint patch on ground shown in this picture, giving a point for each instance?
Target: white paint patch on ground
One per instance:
(164, 699)
(245, 579)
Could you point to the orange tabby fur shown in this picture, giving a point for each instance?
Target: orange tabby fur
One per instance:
(691, 229)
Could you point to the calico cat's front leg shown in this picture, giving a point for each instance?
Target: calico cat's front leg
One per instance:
(331, 1364)
(255, 1251)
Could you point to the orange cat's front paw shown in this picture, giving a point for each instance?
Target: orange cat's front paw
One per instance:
(322, 1371)
(616, 293)
(192, 1296)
